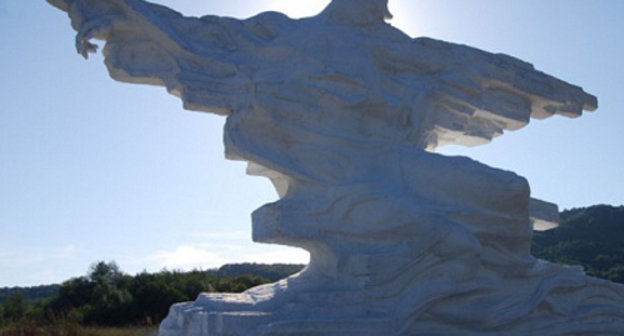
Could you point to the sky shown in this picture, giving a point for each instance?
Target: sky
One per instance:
(92, 169)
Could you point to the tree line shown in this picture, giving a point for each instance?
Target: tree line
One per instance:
(590, 237)
(108, 297)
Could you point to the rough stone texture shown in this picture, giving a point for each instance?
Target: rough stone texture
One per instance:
(342, 112)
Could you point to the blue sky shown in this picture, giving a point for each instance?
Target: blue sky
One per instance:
(92, 169)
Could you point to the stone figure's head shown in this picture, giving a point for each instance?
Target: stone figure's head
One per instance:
(358, 12)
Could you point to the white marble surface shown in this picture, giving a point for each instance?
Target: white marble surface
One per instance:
(341, 111)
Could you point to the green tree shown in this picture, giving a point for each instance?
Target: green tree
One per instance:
(590, 237)
(616, 274)
(103, 272)
(14, 308)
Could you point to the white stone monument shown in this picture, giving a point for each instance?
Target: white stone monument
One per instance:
(343, 113)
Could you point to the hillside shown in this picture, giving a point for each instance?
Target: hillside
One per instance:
(31, 294)
(272, 272)
(592, 237)
(269, 272)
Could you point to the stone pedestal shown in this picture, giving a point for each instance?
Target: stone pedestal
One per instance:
(426, 252)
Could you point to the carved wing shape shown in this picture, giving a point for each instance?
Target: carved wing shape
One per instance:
(201, 60)
(453, 94)
(165, 48)
(479, 95)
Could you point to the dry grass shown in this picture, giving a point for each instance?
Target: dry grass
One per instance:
(118, 331)
(74, 330)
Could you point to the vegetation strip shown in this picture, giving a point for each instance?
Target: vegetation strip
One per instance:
(106, 300)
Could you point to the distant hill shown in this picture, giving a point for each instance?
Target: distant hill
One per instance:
(106, 296)
(272, 272)
(31, 294)
(592, 237)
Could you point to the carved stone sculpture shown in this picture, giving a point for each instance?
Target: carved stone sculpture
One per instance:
(342, 112)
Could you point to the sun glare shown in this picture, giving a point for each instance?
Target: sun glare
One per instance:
(406, 16)
(298, 8)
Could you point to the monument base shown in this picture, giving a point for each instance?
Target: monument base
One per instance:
(408, 258)
(546, 300)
